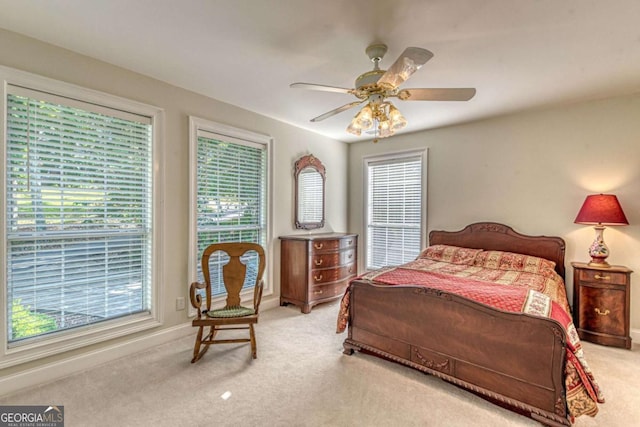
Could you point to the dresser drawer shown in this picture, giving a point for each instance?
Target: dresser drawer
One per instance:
(602, 310)
(328, 275)
(328, 291)
(326, 260)
(328, 245)
(347, 242)
(598, 276)
(335, 259)
(320, 246)
(347, 256)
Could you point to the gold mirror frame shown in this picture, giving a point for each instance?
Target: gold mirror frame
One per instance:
(309, 173)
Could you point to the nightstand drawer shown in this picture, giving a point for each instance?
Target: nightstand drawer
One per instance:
(599, 276)
(602, 310)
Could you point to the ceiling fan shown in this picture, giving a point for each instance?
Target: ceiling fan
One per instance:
(376, 86)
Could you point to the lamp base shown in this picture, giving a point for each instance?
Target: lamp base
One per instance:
(598, 262)
(598, 249)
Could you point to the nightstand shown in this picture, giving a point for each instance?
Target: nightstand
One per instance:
(601, 298)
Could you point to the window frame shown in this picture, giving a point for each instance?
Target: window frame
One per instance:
(65, 340)
(228, 133)
(422, 155)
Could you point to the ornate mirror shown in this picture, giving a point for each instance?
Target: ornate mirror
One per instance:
(309, 182)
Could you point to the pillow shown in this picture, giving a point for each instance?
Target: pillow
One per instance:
(500, 260)
(450, 254)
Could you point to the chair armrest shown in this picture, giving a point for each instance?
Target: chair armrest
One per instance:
(257, 295)
(196, 299)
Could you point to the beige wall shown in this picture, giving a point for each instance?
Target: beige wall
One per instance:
(289, 143)
(531, 171)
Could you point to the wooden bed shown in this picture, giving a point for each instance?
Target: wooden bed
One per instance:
(512, 359)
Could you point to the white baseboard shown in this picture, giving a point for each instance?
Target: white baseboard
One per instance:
(635, 335)
(62, 368)
(272, 303)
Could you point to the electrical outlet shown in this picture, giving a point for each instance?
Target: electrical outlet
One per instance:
(180, 304)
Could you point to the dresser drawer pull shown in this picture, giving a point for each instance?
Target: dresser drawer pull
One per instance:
(318, 262)
(350, 256)
(599, 277)
(350, 270)
(602, 312)
(350, 242)
(317, 292)
(317, 278)
(318, 245)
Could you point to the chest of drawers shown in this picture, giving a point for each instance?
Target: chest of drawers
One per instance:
(316, 268)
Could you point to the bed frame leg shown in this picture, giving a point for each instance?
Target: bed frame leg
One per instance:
(349, 348)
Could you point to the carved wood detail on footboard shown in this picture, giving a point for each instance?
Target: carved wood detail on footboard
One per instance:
(511, 358)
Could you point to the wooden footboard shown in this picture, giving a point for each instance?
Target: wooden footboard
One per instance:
(512, 358)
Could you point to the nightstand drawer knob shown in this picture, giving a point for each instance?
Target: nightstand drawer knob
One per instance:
(318, 262)
(318, 245)
(602, 312)
(599, 277)
(317, 278)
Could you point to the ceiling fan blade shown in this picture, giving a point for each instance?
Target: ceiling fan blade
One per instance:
(408, 63)
(440, 94)
(337, 110)
(323, 88)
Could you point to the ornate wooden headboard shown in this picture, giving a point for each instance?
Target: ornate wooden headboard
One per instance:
(500, 237)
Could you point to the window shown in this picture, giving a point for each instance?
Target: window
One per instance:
(78, 181)
(395, 213)
(229, 194)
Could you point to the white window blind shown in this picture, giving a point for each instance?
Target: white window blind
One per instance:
(78, 213)
(394, 210)
(231, 180)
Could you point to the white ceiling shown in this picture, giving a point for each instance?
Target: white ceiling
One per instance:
(519, 54)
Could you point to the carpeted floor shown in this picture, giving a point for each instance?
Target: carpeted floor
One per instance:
(301, 378)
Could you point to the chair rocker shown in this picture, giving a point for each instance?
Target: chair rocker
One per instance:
(233, 316)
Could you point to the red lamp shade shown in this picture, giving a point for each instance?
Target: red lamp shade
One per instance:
(601, 209)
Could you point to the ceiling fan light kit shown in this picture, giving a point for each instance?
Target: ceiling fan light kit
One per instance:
(384, 117)
(375, 86)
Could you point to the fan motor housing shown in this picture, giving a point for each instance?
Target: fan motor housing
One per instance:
(369, 78)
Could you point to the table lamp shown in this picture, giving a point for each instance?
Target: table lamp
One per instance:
(600, 210)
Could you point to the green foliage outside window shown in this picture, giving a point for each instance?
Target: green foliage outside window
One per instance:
(25, 323)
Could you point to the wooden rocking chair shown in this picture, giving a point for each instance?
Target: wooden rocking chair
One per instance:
(233, 316)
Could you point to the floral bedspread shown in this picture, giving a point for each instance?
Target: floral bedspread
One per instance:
(508, 281)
